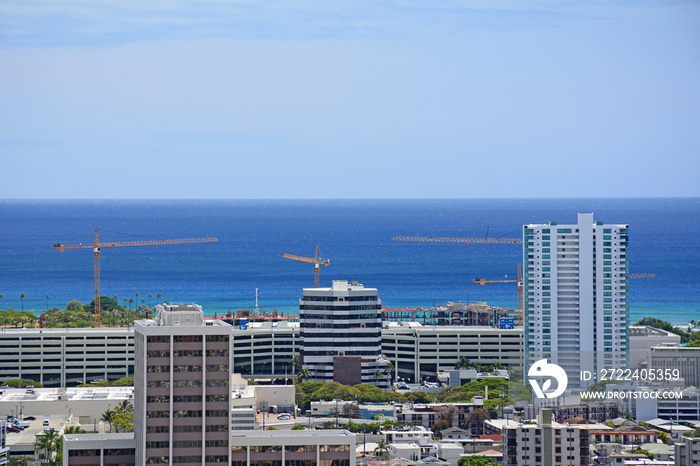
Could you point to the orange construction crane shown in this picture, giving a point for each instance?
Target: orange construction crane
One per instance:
(439, 239)
(519, 281)
(98, 246)
(317, 261)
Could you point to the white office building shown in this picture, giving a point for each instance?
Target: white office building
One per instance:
(576, 311)
(341, 334)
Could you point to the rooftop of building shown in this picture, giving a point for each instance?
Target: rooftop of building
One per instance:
(647, 330)
(17, 395)
(340, 286)
(50, 332)
(299, 434)
(99, 437)
(270, 325)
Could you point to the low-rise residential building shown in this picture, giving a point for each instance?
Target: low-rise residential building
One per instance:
(417, 435)
(687, 451)
(625, 435)
(298, 447)
(410, 451)
(428, 415)
(547, 443)
(591, 411)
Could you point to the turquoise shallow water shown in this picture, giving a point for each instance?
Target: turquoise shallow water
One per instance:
(355, 235)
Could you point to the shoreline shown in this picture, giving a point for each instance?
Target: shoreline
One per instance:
(677, 315)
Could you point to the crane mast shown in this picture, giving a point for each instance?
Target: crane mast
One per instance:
(316, 260)
(97, 246)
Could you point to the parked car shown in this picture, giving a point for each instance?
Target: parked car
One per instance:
(284, 417)
(13, 429)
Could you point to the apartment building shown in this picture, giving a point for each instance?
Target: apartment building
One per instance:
(576, 309)
(687, 451)
(427, 415)
(546, 443)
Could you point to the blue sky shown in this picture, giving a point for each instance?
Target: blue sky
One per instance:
(361, 99)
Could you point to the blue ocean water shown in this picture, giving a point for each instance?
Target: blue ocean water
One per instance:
(356, 235)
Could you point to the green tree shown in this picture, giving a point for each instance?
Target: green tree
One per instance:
(108, 416)
(48, 442)
(297, 427)
(304, 374)
(75, 305)
(463, 363)
(21, 460)
(21, 383)
(390, 371)
(382, 449)
(70, 430)
(475, 460)
(440, 426)
(21, 297)
(474, 421)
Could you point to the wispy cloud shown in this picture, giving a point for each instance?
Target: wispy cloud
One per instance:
(104, 23)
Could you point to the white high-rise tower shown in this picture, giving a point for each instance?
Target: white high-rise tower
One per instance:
(575, 285)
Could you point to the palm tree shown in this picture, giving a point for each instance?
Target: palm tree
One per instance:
(389, 369)
(74, 430)
(108, 416)
(463, 363)
(124, 407)
(377, 374)
(382, 449)
(303, 374)
(48, 442)
(150, 295)
(158, 296)
(296, 362)
(47, 302)
(21, 297)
